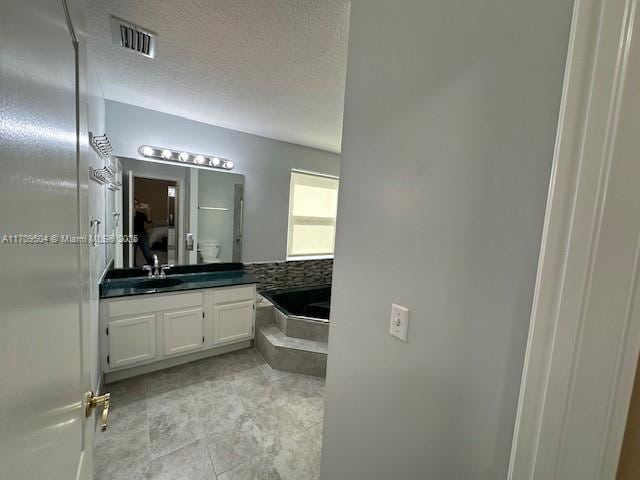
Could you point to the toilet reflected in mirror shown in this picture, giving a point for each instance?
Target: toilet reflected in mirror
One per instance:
(209, 251)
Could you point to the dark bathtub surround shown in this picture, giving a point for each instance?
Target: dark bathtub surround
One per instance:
(289, 274)
(313, 302)
(291, 354)
(288, 341)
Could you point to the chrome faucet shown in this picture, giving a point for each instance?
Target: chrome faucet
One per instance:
(157, 271)
(164, 268)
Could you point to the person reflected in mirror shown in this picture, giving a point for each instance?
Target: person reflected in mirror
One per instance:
(141, 218)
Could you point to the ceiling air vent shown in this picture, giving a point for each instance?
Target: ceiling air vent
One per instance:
(134, 38)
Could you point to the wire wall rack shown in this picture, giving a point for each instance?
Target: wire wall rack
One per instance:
(108, 175)
(101, 145)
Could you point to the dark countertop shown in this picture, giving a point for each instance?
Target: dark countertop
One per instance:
(114, 273)
(124, 287)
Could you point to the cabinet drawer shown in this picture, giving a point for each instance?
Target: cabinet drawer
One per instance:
(234, 294)
(154, 303)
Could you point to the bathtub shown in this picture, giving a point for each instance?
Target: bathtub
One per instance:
(309, 303)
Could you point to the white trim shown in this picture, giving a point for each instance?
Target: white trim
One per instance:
(317, 174)
(578, 373)
(192, 255)
(119, 200)
(291, 217)
(181, 208)
(105, 270)
(296, 258)
(130, 201)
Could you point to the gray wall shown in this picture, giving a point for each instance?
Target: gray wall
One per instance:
(264, 162)
(450, 118)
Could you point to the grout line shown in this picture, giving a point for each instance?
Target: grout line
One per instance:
(315, 425)
(213, 466)
(248, 406)
(147, 430)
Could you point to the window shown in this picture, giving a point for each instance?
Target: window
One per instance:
(313, 202)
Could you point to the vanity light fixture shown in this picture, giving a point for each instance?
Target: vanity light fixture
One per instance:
(178, 156)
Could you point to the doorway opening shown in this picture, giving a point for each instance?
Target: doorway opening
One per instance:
(155, 220)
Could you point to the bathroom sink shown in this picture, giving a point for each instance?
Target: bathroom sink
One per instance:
(158, 283)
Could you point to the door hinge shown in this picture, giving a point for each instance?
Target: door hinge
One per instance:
(254, 306)
(108, 359)
(202, 314)
(107, 330)
(202, 339)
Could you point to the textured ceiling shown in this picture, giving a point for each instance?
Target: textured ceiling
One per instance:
(274, 68)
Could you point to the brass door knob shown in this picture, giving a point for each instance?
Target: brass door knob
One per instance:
(93, 401)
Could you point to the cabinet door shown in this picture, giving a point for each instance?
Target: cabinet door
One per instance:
(183, 331)
(233, 322)
(132, 340)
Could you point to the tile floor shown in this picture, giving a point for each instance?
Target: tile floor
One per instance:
(230, 417)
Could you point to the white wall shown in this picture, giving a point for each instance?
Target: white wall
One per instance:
(264, 162)
(100, 201)
(450, 117)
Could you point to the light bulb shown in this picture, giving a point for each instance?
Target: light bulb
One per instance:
(166, 154)
(184, 156)
(228, 164)
(199, 159)
(215, 161)
(147, 151)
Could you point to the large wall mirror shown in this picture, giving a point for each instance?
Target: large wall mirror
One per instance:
(180, 215)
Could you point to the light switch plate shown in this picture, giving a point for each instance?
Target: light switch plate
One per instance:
(399, 326)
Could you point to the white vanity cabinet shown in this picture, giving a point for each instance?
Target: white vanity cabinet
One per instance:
(131, 340)
(233, 322)
(155, 328)
(183, 331)
(233, 315)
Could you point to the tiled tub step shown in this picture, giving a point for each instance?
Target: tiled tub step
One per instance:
(299, 327)
(291, 354)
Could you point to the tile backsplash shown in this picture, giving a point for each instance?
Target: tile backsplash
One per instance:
(297, 273)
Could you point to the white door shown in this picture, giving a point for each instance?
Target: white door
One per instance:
(183, 331)
(43, 286)
(131, 340)
(119, 254)
(130, 245)
(233, 322)
(192, 245)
